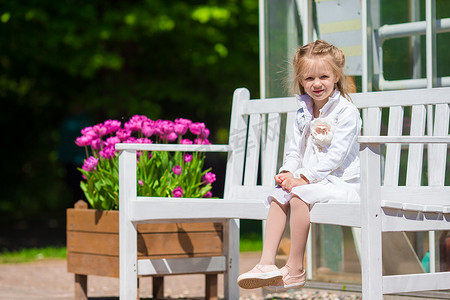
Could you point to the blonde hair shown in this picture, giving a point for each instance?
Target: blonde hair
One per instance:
(329, 53)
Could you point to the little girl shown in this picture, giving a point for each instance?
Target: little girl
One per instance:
(322, 163)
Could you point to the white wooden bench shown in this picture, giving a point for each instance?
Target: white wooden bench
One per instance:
(255, 131)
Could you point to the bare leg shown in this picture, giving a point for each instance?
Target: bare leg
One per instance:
(265, 273)
(275, 225)
(299, 225)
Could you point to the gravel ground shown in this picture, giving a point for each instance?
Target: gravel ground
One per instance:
(48, 279)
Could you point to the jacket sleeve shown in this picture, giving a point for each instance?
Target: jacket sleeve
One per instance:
(348, 128)
(293, 154)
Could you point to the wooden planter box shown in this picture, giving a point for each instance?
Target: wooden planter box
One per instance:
(93, 246)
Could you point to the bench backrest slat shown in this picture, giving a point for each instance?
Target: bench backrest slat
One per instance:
(415, 153)
(393, 151)
(253, 148)
(270, 148)
(290, 119)
(438, 153)
(372, 121)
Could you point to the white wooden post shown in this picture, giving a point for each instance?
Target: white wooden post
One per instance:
(371, 248)
(430, 18)
(306, 17)
(237, 139)
(128, 232)
(366, 31)
(430, 35)
(231, 250)
(234, 175)
(262, 49)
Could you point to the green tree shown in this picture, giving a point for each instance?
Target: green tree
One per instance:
(111, 59)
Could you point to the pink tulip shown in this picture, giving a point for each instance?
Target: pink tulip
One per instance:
(197, 128)
(90, 163)
(123, 134)
(97, 144)
(180, 129)
(186, 142)
(157, 130)
(205, 133)
(100, 129)
(131, 140)
(144, 141)
(89, 132)
(167, 127)
(112, 141)
(187, 158)
(201, 142)
(83, 141)
(108, 152)
(171, 136)
(112, 126)
(178, 192)
(135, 123)
(148, 128)
(177, 170)
(209, 177)
(185, 122)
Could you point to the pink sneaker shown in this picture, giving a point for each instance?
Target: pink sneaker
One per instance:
(288, 281)
(259, 276)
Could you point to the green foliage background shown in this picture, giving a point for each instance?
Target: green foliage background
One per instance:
(110, 59)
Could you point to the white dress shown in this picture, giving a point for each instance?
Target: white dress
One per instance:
(325, 151)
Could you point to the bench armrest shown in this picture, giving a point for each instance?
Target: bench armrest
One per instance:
(173, 147)
(404, 139)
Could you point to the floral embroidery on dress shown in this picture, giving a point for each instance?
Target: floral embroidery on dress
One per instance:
(301, 120)
(322, 130)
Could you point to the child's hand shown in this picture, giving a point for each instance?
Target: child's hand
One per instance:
(290, 183)
(279, 178)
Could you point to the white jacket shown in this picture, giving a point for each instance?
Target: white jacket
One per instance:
(340, 157)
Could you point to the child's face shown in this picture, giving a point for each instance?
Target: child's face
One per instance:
(319, 79)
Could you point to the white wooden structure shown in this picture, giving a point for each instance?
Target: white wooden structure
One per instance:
(338, 22)
(385, 206)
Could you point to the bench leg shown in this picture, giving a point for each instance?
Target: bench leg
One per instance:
(371, 241)
(158, 287)
(81, 287)
(211, 287)
(231, 251)
(128, 262)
